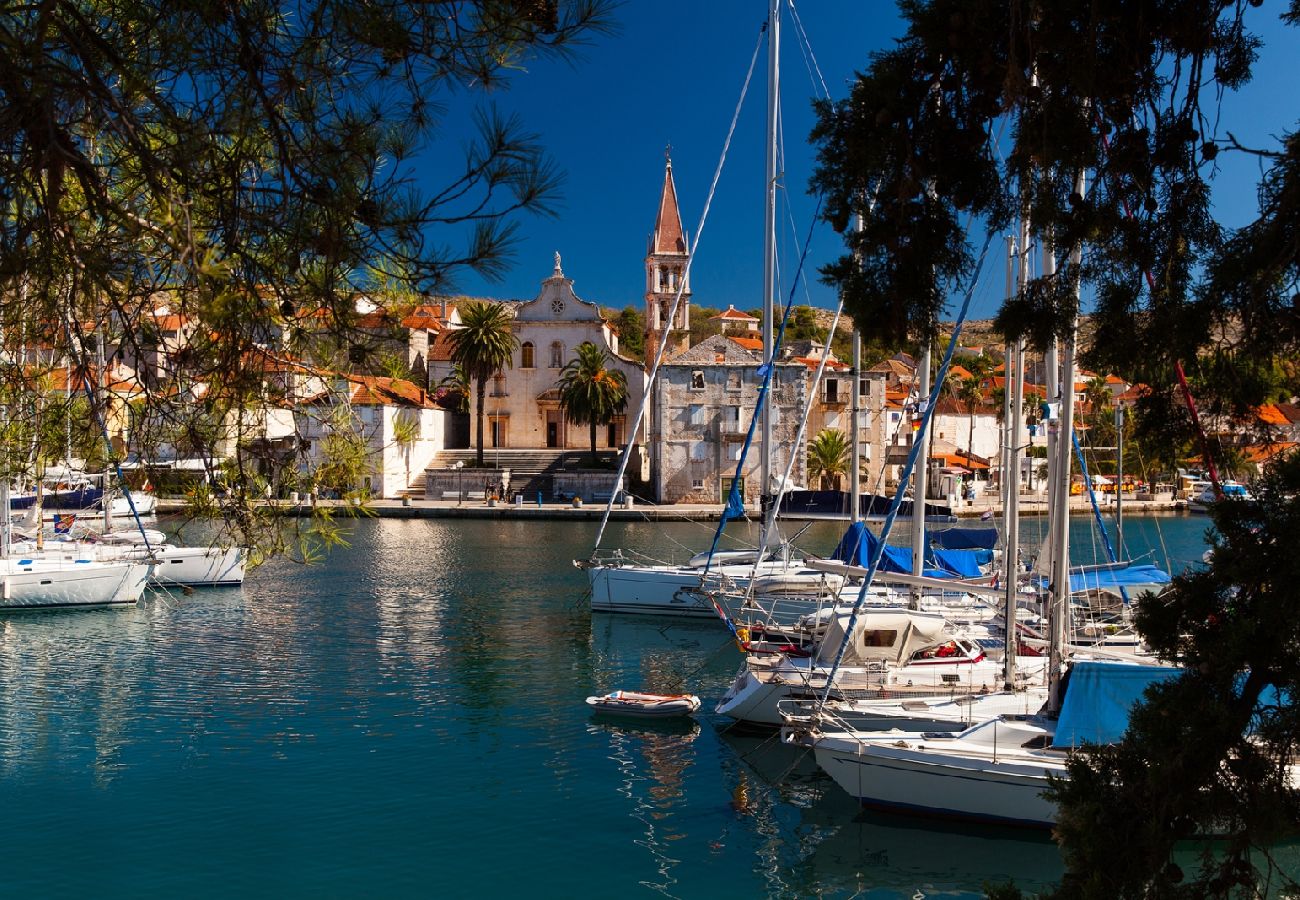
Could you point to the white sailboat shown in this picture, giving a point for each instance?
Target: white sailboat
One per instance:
(36, 582)
(993, 771)
(619, 584)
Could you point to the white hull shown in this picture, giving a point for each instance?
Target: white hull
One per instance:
(171, 565)
(757, 694)
(198, 566)
(675, 590)
(920, 777)
(36, 584)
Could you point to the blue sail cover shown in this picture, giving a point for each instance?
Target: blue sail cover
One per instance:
(965, 538)
(1127, 576)
(858, 546)
(962, 563)
(1098, 699)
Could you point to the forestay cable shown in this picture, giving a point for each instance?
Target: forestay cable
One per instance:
(677, 299)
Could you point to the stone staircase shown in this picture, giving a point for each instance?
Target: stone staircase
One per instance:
(531, 471)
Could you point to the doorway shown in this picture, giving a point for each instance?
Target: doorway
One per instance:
(554, 429)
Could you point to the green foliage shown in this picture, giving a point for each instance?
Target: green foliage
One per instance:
(803, 325)
(1084, 86)
(1210, 752)
(591, 393)
(483, 346)
(702, 324)
(630, 325)
(828, 457)
(252, 167)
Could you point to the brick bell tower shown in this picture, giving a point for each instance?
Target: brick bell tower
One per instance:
(665, 272)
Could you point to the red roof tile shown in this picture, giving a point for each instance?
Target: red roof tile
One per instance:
(669, 236)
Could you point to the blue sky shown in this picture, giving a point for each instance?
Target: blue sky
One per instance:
(673, 74)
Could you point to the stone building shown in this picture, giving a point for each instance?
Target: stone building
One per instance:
(522, 404)
(703, 401)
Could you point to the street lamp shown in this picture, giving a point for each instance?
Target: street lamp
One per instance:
(460, 495)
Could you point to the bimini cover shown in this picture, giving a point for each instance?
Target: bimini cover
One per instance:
(858, 546)
(891, 634)
(1128, 576)
(965, 538)
(1098, 699)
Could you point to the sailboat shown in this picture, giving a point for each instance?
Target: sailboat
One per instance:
(995, 770)
(621, 584)
(39, 582)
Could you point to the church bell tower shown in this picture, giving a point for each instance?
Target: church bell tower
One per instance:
(665, 274)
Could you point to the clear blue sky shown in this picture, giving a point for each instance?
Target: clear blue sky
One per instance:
(672, 75)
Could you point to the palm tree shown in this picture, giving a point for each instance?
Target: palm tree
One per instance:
(828, 457)
(591, 393)
(456, 385)
(969, 393)
(483, 346)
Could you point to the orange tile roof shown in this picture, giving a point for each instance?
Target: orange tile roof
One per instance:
(1269, 414)
(814, 363)
(1260, 453)
(376, 390)
(746, 343)
(669, 236)
(734, 315)
(172, 322)
(440, 348)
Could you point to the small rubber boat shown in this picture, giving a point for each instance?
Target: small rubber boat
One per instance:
(645, 706)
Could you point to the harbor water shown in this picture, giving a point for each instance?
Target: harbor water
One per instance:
(406, 719)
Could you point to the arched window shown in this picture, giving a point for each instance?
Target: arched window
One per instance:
(526, 355)
(557, 355)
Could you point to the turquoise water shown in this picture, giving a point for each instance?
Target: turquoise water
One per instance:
(406, 719)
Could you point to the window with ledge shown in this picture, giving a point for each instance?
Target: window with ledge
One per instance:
(499, 385)
(697, 380)
(557, 355)
(733, 381)
(526, 355)
(831, 390)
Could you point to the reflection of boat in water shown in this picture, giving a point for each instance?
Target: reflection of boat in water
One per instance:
(843, 849)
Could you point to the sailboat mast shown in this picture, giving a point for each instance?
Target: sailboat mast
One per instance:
(1119, 482)
(920, 475)
(855, 418)
(855, 423)
(769, 225)
(1061, 561)
(1014, 391)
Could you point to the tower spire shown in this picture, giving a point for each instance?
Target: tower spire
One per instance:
(665, 270)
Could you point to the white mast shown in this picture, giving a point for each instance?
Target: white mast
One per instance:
(855, 417)
(769, 225)
(919, 474)
(1061, 515)
(1014, 390)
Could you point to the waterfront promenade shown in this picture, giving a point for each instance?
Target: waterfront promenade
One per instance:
(417, 508)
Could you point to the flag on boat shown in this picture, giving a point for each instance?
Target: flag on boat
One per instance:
(63, 523)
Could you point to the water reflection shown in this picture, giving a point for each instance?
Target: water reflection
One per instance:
(838, 849)
(652, 760)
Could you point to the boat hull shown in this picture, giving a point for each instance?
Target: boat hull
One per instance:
(655, 591)
(756, 698)
(644, 706)
(199, 567)
(28, 585)
(928, 782)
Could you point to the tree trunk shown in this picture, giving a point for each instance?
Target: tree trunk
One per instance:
(970, 444)
(478, 415)
(593, 443)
